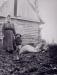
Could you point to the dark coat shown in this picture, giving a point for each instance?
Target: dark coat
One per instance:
(8, 32)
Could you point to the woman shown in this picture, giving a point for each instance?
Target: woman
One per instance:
(9, 33)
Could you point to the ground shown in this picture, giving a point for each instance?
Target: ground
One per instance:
(28, 64)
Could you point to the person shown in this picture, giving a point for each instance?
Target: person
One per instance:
(8, 31)
(17, 45)
(18, 40)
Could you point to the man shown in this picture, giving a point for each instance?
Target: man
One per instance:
(8, 31)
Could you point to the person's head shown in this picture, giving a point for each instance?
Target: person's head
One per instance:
(18, 35)
(8, 18)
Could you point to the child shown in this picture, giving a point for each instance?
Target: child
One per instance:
(17, 44)
(18, 41)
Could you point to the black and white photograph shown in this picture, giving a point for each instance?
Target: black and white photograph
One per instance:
(28, 37)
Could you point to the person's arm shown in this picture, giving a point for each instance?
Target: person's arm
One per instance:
(3, 28)
(14, 30)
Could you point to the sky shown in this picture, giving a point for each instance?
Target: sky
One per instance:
(48, 12)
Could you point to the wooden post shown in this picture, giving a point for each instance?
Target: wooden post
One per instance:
(15, 8)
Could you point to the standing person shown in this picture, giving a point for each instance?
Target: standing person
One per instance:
(18, 40)
(8, 31)
(17, 45)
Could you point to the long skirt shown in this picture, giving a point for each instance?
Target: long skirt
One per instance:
(8, 40)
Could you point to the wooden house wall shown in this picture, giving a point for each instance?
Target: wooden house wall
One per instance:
(28, 30)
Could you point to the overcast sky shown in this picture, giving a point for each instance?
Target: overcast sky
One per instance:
(48, 12)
